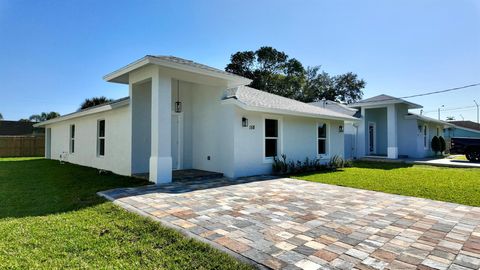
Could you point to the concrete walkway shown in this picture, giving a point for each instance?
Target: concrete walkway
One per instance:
(293, 224)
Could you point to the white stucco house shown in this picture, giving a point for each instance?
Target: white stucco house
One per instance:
(184, 115)
(386, 128)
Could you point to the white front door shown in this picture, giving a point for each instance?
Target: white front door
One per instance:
(177, 140)
(372, 136)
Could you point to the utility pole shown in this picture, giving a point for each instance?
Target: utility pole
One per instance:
(439, 111)
(477, 111)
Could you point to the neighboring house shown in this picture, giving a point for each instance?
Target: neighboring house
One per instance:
(387, 129)
(19, 128)
(463, 129)
(185, 115)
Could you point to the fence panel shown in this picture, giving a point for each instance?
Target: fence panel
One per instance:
(22, 146)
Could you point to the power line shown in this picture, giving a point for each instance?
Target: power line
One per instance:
(425, 94)
(452, 109)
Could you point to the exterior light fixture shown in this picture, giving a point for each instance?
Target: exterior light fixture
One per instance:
(178, 104)
(340, 128)
(244, 122)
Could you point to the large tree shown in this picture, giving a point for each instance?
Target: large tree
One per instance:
(44, 116)
(94, 101)
(1, 116)
(275, 72)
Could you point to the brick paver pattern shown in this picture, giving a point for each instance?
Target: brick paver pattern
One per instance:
(294, 224)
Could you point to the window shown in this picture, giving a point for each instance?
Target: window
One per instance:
(438, 132)
(271, 138)
(322, 139)
(101, 138)
(425, 136)
(72, 139)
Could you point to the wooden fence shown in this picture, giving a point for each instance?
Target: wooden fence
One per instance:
(22, 146)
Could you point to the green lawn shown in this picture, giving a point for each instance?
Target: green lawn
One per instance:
(51, 218)
(445, 184)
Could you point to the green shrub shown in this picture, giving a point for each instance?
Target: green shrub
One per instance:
(443, 144)
(336, 162)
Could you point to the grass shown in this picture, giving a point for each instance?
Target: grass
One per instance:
(455, 185)
(51, 218)
(458, 157)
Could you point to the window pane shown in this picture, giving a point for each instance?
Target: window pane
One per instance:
(72, 131)
(271, 128)
(101, 147)
(270, 147)
(101, 128)
(73, 146)
(321, 147)
(322, 131)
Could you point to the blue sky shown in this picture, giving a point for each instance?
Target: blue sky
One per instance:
(53, 54)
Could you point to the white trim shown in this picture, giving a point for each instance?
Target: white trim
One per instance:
(426, 137)
(71, 139)
(86, 112)
(374, 138)
(180, 140)
(99, 138)
(146, 60)
(286, 112)
(327, 139)
(279, 138)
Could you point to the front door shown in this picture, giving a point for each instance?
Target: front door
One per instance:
(372, 134)
(177, 122)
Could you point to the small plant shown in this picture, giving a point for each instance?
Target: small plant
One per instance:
(336, 162)
(435, 144)
(443, 145)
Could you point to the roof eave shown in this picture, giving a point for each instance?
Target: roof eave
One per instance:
(285, 112)
(83, 113)
(119, 75)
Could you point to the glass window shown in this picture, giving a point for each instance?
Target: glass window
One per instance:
(101, 138)
(271, 137)
(322, 139)
(425, 136)
(72, 139)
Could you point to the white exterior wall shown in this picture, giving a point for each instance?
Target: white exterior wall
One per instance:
(298, 140)
(117, 140)
(212, 130)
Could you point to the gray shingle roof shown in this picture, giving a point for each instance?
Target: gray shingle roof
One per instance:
(260, 99)
(384, 99)
(466, 124)
(337, 107)
(182, 61)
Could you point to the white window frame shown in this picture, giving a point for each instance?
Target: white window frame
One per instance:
(327, 140)
(101, 138)
(439, 132)
(71, 148)
(425, 136)
(279, 138)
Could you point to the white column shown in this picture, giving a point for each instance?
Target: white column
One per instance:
(361, 137)
(392, 149)
(161, 156)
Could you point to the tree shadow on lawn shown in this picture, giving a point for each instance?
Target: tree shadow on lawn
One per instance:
(38, 187)
(381, 165)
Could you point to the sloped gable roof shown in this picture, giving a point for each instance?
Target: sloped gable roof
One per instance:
(384, 99)
(261, 100)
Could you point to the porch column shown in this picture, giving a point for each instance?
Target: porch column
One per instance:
(361, 139)
(161, 156)
(392, 147)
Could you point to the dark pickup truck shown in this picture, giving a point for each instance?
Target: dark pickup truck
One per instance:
(470, 147)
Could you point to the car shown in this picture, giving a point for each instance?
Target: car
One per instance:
(470, 147)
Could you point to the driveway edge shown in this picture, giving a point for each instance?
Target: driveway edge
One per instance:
(184, 232)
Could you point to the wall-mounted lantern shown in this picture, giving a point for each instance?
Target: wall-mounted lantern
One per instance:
(178, 104)
(340, 128)
(244, 122)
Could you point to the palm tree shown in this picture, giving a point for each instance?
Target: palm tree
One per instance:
(43, 116)
(94, 101)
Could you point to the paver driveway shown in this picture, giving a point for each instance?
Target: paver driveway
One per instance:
(286, 223)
